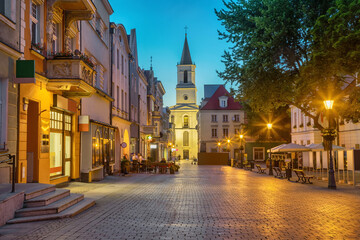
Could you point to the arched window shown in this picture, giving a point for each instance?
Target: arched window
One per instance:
(185, 77)
(186, 121)
(186, 138)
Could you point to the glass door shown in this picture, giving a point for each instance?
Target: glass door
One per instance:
(56, 152)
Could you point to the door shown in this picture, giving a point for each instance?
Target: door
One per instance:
(186, 154)
(32, 146)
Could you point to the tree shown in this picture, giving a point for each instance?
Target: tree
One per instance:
(272, 51)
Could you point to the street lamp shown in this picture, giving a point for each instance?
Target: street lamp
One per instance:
(269, 127)
(241, 148)
(329, 135)
(219, 145)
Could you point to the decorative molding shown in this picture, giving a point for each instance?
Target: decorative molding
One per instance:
(10, 51)
(7, 21)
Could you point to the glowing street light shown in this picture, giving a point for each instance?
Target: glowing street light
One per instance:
(241, 148)
(329, 104)
(228, 141)
(269, 127)
(329, 135)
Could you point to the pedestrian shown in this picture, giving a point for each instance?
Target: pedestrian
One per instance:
(140, 158)
(125, 163)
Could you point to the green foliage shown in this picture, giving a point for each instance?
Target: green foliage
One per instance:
(292, 52)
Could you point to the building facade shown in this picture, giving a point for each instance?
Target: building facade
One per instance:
(11, 49)
(120, 90)
(184, 113)
(95, 43)
(221, 121)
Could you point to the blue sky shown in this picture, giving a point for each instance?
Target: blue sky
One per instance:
(160, 33)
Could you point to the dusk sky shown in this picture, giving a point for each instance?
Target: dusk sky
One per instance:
(160, 33)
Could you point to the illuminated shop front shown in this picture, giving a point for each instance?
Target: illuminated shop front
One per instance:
(100, 161)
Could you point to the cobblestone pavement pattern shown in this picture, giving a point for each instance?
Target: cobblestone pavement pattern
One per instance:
(204, 202)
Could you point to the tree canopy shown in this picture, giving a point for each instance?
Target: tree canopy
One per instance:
(292, 52)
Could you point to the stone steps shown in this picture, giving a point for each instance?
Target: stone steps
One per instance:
(69, 212)
(52, 208)
(47, 198)
(45, 202)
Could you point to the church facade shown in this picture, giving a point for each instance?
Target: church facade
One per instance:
(184, 115)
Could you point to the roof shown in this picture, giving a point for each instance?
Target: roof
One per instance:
(185, 57)
(213, 103)
(209, 89)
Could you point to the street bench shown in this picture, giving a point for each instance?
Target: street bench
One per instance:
(279, 172)
(260, 169)
(248, 167)
(302, 176)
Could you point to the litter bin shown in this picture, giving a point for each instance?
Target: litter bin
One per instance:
(288, 172)
(252, 164)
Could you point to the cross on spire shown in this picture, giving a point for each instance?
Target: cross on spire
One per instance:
(151, 63)
(186, 28)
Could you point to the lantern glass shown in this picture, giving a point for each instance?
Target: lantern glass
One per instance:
(329, 104)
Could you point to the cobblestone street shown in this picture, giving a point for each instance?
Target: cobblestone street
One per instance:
(204, 202)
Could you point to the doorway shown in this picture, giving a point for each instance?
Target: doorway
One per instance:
(186, 154)
(32, 146)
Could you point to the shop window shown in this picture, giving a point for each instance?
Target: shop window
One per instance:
(97, 147)
(60, 143)
(259, 153)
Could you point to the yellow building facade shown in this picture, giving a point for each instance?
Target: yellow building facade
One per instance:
(184, 115)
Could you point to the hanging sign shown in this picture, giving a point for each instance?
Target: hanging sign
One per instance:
(25, 71)
(84, 122)
(124, 145)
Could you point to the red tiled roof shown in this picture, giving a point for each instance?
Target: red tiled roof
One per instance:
(213, 103)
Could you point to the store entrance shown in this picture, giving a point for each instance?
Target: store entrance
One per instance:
(32, 146)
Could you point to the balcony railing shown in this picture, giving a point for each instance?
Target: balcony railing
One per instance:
(72, 75)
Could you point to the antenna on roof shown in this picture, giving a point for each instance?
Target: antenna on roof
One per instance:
(151, 63)
(186, 28)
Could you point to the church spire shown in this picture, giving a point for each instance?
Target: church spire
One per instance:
(185, 57)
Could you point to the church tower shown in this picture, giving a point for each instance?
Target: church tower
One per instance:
(185, 88)
(184, 113)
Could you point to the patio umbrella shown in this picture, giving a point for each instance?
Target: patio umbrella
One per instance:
(274, 148)
(320, 147)
(292, 147)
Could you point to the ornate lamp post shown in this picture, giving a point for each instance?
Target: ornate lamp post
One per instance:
(269, 127)
(241, 148)
(329, 135)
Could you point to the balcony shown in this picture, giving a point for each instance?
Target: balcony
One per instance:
(148, 129)
(71, 75)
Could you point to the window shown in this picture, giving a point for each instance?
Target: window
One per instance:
(186, 138)
(122, 100)
(122, 64)
(185, 97)
(302, 142)
(125, 107)
(225, 132)
(295, 120)
(8, 9)
(213, 118)
(308, 142)
(185, 76)
(357, 146)
(236, 118)
(186, 121)
(259, 153)
(225, 118)
(117, 97)
(237, 130)
(214, 132)
(117, 59)
(35, 29)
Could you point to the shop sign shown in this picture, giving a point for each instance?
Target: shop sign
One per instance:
(25, 71)
(84, 123)
(124, 145)
(153, 146)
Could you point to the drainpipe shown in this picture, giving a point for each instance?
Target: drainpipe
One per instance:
(111, 69)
